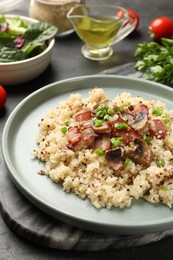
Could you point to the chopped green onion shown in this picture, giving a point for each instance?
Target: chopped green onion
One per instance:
(121, 126)
(166, 121)
(127, 161)
(110, 111)
(161, 162)
(106, 117)
(103, 106)
(97, 122)
(120, 109)
(148, 139)
(66, 121)
(128, 103)
(63, 130)
(125, 118)
(99, 151)
(157, 111)
(165, 188)
(164, 115)
(116, 141)
(100, 113)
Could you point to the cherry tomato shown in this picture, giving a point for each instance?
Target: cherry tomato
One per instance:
(3, 97)
(133, 15)
(161, 27)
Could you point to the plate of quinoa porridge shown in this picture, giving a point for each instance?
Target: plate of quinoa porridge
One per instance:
(96, 152)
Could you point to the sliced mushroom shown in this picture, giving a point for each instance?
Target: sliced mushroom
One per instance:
(114, 158)
(142, 154)
(104, 128)
(139, 122)
(137, 117)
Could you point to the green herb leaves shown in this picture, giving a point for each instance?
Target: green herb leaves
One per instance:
(35, 35)
(156, 60)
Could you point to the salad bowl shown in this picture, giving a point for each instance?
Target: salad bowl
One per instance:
(16, 67)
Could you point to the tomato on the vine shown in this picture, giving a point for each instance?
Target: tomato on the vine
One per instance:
(133, 14)
(3, 97)
(161, 27)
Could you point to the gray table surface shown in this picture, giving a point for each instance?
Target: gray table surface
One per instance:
(67, 62)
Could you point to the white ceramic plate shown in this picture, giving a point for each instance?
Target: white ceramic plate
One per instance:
(19, 140)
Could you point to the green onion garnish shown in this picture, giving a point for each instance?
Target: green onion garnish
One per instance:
(161, 162)
(121, 126)
(125, 118)
(106, 117)
(110, 111)
(120, 109)
(127, 161)
(99, 151)
(147, 139)
(100, 113)
(66, 121)
(165, 188)
(97, 122)
(128, 103)
(116, 141)
(157, 111)
(63, 130)
(103, 106)
(166, 121)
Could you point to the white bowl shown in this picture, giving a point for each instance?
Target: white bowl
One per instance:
(8, 5)
(12, 73)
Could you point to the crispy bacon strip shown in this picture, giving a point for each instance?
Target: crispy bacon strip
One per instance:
(128, 135)
(74, 136)
(103, 142)
(84, 116)
(157, 129)
(88, 136)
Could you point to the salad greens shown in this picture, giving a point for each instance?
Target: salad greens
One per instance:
(156, 60)
(21, 40)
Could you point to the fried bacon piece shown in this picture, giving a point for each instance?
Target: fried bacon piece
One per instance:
(157, 129)
(88, 136)
(84, 116)
(74, 136)
(128, 135)
(103, 141)
(104, 128)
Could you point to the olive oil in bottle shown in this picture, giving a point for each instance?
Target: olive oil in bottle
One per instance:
(98, 32)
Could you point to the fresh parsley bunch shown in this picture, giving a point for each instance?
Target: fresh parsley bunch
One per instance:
(155, 60)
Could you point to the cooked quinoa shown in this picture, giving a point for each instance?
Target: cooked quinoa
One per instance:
(109, 150)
